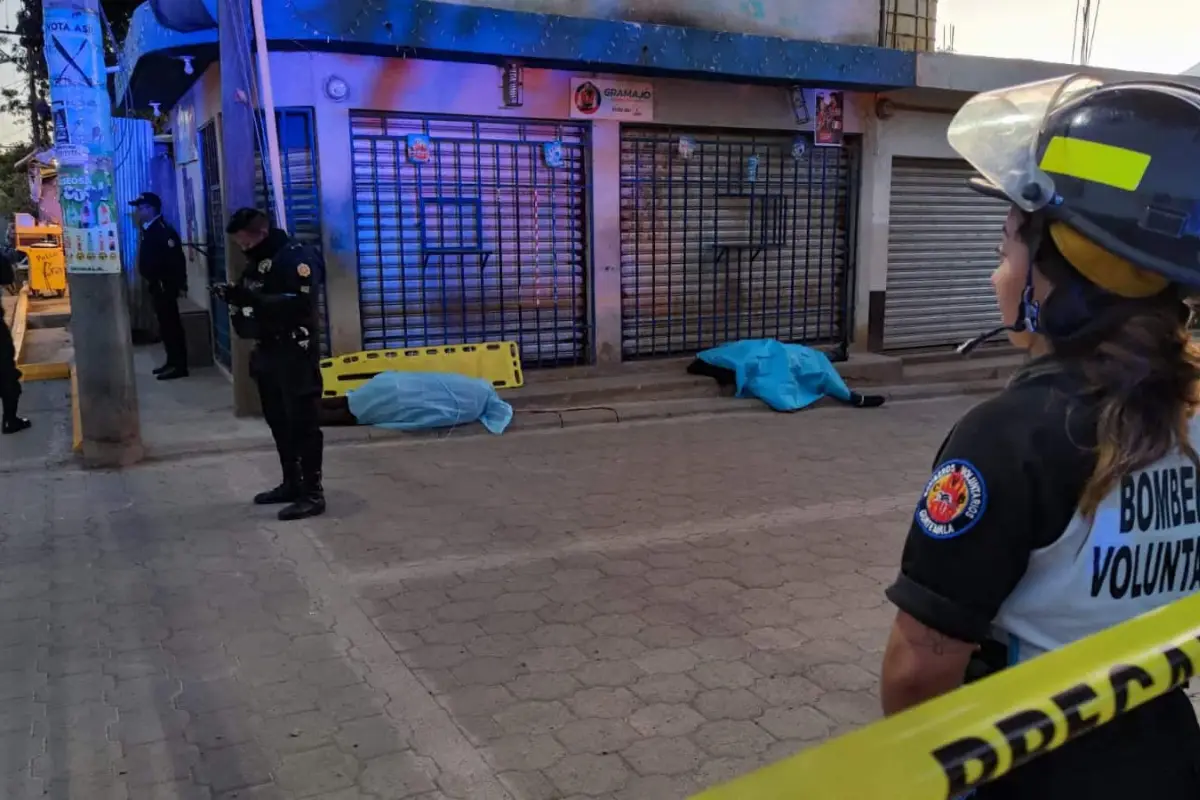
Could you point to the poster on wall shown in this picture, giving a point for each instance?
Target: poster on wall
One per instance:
(191, 221)
(419, 148)
(83, 130)
(594, 98)
(830, 130)
(184, 134)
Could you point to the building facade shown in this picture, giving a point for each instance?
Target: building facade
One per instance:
(601, 181)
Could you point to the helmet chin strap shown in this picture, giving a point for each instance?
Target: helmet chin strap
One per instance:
(1028, 313)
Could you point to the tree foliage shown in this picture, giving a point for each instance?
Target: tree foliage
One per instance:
(29, 60)
(14, 186)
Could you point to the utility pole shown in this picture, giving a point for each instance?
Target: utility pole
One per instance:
(238, 169)
(35, 130)
(108, 407)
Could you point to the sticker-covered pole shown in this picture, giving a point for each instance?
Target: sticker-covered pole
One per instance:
(83, 146)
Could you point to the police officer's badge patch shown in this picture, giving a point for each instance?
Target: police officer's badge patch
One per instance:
(170, 242)
(303, 271)
(954, 500)
(264, 266)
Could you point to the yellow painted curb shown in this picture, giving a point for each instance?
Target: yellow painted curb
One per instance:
(47, 371)
(76, 425)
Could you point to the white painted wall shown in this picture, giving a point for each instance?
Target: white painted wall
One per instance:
(418, 86)
(205, 98)
(909, 133)
(846, 21)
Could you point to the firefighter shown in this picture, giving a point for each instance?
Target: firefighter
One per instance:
(274, 303)
(1043, 496)
(10, 375)
(163, 266)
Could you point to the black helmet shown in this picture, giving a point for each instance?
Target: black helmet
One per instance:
(1119, 163)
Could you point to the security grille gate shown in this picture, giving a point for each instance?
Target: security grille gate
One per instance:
(483, 241)
(214, 237)
(746, 238)
(301, 190)
(941, 252)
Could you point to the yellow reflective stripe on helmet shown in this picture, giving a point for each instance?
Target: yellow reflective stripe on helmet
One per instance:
(1095, 162)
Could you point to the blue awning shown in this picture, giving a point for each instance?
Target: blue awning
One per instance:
(472, 33)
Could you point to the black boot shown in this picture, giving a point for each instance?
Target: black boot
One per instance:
(14, 424)
(287, 492)
(164, 368)
(311, 502)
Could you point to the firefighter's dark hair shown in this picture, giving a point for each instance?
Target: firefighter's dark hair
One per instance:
(1141, 368)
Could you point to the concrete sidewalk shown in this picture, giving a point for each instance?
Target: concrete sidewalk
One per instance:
(195, 416)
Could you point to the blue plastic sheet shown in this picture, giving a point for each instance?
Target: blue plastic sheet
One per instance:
(410, 401)
(787, 377)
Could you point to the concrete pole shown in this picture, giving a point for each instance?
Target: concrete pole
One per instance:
(274, 164)
(108, 407)
(238, 167)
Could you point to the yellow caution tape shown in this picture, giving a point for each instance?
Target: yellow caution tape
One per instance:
(944, 748)
(497, 362)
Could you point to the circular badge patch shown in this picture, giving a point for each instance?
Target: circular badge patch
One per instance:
(303, 271)
(953, 501)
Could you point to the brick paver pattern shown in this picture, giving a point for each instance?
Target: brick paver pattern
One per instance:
(625, 611)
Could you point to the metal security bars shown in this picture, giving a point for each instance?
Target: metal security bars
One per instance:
(748, 236)
(214, 237)
(301, 189)
(476, 233)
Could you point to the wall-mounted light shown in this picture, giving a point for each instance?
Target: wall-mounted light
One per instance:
(189, 67)
(512, 84)
(156, 108)
(336, 89)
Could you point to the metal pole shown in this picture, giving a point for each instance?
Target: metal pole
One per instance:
(274, 165)
(237, 167)
(108, 407)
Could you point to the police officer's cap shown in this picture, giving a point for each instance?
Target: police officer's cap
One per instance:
(245, 218)
(147, 199)
(1118, 163)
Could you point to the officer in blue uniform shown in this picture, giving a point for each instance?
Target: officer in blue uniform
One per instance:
(274, 303)
(1068, 503)
(163, 266)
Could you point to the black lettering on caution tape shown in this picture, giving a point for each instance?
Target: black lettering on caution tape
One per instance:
(971, 761)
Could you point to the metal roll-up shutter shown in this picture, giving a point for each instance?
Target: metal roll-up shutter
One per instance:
(482, 241)
(942, 240)
(748, 237)
(301, 189)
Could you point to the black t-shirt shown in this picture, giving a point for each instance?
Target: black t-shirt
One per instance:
(1007, 481)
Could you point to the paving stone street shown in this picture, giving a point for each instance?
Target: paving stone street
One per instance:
(630, 611)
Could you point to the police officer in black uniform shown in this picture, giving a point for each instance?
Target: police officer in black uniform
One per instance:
(274, 303)
(10, 374)
(1023, 538)
(163, 266)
